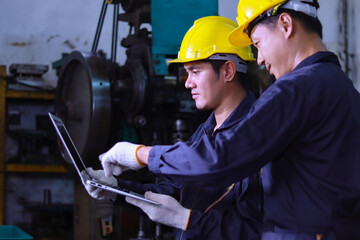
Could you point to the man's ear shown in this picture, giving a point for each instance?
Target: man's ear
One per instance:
(229, 71)
(286, 25)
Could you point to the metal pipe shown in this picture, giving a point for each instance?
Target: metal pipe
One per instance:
(114, 33)
(99, 27)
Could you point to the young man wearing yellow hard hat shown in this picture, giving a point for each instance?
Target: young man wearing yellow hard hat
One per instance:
(216, 77)
(311, 186)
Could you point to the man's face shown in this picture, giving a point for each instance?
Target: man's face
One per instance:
(205, 85)
(272, 49)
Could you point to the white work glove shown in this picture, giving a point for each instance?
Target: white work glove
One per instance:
(169, 213)
(121, 157)
(99, 175)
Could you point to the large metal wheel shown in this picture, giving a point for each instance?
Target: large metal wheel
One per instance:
(130, 87)
(83, 101)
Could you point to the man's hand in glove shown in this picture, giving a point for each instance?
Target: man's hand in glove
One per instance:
(121, 157)
(169, 213)
(99, 175)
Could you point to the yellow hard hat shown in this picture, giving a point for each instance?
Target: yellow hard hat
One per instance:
(209, 36)
(250, 10)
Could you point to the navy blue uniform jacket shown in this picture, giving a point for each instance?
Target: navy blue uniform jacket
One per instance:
(229, 212)
(307, 124)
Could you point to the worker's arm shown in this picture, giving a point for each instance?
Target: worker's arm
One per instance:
(280, 114)
(125, 155)
(275, 120)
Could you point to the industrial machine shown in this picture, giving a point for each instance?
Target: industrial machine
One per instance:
(142, 101)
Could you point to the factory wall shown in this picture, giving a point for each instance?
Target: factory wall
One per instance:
(38, 32)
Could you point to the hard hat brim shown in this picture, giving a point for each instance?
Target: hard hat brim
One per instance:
(239, 38)
(176, 60)
(181, 60)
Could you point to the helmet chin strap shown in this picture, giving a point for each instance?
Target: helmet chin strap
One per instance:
(301, 6)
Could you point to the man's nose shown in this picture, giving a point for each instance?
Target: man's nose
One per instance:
(189, 83)
(260, 60)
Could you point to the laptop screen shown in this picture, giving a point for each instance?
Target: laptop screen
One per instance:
(69, 152)
(67, 146)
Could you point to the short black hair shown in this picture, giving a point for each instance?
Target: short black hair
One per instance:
(216, 65)
(309, 23)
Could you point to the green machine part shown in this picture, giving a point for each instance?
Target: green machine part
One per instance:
(170, 19)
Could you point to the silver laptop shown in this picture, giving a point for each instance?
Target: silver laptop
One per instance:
(70, 153)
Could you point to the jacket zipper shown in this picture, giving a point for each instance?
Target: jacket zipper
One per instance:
(231, 187)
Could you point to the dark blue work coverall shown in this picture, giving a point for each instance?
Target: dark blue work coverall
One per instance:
(306, 127)
(218, 212)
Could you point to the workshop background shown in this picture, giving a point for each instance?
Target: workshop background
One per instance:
(65, 57)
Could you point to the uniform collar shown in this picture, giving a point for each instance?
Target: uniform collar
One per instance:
(322, 56)
(236, 116)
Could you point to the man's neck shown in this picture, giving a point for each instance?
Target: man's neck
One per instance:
(305, 46)
(228, 106)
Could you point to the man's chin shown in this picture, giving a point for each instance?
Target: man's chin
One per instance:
(203, 109)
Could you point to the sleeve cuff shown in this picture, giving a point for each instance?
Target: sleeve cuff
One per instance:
(136, 157)
(187, 224)
(155, 157)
